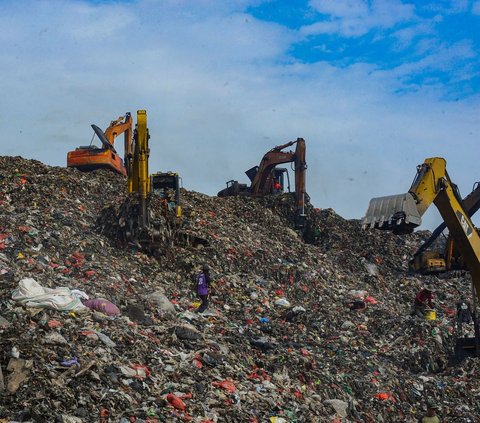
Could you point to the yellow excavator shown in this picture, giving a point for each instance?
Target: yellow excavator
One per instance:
(428, 260)
(165, 186)
(402, 214)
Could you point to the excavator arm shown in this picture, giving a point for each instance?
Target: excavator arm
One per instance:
(402, 213)
(138, 178)
(262, 182)
(471, 204)
(118, 127)
(151, 196)
(123, 125)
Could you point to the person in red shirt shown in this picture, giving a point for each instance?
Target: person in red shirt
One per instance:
(423, 301)
(277, 187)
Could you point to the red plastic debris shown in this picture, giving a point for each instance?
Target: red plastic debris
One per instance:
(225, 384)
(104, 413)
(54, 324)
(90, 273)
(176, 402)
(259, 374)
(384, 396)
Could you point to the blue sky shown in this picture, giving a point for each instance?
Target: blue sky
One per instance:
(374, 87)
(438, 40)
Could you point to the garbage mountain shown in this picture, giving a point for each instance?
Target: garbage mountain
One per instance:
(281, 341)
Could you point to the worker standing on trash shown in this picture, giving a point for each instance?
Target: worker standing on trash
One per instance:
(423, 302)
(431, 414)
(464, 311)
(203, 285)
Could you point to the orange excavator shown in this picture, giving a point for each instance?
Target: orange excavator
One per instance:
(268, 179)
(91, 157)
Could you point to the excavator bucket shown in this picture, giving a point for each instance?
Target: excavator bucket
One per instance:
(101, 136)
(397, 213)
(464, 348)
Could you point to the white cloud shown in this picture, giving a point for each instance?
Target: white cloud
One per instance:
(440, 57)
(408, 34)
(459, 6)
(220, 90)
(353, 18)
(476, 8)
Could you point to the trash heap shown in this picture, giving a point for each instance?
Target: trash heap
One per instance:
(279, 342)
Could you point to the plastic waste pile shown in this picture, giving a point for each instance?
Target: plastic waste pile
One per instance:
(96, 330)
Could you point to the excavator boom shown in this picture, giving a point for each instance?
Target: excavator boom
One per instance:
(143, 227)
(138, 179)
(471, 204)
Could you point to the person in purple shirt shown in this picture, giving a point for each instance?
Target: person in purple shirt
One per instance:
(203, 283)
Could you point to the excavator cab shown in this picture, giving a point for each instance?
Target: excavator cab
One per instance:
(234, 188)
(280, 177)
(427, 263)
(166, 185)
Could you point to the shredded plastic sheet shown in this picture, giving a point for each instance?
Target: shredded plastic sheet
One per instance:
(32, 294)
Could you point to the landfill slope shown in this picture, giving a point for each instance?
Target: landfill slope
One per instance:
(278, 342)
